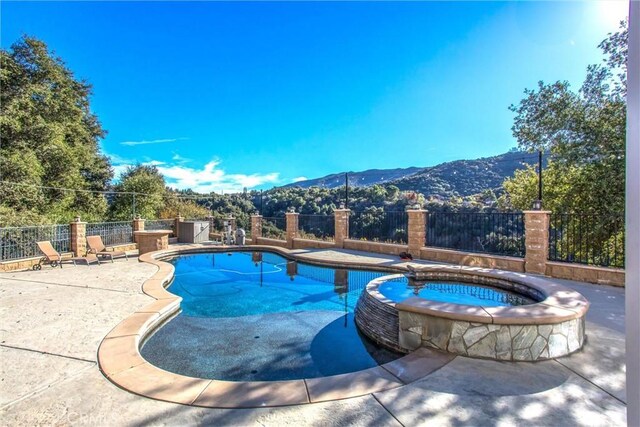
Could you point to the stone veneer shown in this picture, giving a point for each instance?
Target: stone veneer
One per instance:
(551, 328)
(417, 231)
(292, 228)
(501, 342)
(341, 226)
(78, 242)
(378, 319)
(536, 240)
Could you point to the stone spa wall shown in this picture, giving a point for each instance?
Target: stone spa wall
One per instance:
(553, 327)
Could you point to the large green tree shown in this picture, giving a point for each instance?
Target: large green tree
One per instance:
(583, 131)
(140, 191)
(49, 138)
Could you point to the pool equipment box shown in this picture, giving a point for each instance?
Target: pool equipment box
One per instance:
(193, 231)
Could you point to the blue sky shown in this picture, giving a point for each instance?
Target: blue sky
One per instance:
(226, 95)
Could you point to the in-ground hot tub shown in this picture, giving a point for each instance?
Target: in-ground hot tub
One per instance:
(499, 315)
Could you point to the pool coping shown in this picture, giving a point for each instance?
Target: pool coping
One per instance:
(120, 361)
(560, 303)
(119, 358)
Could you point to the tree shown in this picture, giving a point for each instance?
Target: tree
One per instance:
(149, 187)
(584, 132)
(49, 138)
(187, 208)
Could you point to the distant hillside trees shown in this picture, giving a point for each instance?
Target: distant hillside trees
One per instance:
(49, 137)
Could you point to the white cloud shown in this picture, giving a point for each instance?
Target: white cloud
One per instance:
(154, 163)
(300, 178)
(119, 170)
(152, 141)
(211, 178)
(178, 158)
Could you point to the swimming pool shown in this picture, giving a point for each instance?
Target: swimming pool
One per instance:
(256, 316)
(452, 292)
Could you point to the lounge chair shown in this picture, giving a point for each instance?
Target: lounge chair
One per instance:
(51, 256)
(98, 248)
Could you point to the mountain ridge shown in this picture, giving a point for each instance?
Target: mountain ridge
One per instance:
(445, 180)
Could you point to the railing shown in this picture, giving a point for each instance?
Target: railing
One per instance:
(587, 239)
(274, 227)
(351, 280)
(316, 227)
(160, 224)
(379, 226)
(20, 242)
(216, 225)
(112, 233)
(494, 233)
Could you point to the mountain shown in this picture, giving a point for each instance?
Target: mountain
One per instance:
(357, 179)
(456, 178)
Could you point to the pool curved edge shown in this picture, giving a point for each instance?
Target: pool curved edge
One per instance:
(553, 327)
(120, 361)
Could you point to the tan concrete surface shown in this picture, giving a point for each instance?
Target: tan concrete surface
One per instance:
(53, 320)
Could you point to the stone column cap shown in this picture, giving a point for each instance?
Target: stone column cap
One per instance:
(78, 222)
(416, 210)
(342, 210)
(536, 212)
(292, 213)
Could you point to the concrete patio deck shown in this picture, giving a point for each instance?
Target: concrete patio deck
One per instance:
(53, 320)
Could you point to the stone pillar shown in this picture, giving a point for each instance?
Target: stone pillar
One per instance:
(232, 222)
(176, 225)
(341, 218)
(212, 228)
(292, 269)
(138, 225)
(292, 228)
(536, 241)
(416, 231)
(256, 228)
(78, 237)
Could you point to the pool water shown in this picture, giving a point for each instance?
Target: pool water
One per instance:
(255, 316)
(452, 292)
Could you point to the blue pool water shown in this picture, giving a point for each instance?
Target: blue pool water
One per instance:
(251, 316)
(452, 292)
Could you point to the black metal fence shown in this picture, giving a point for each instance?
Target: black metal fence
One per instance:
(160, 224)
(274, 227)
(377, 225)
(587, 239)
(112, 233)
(316, 227)
(20, 242)
(494, 233)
